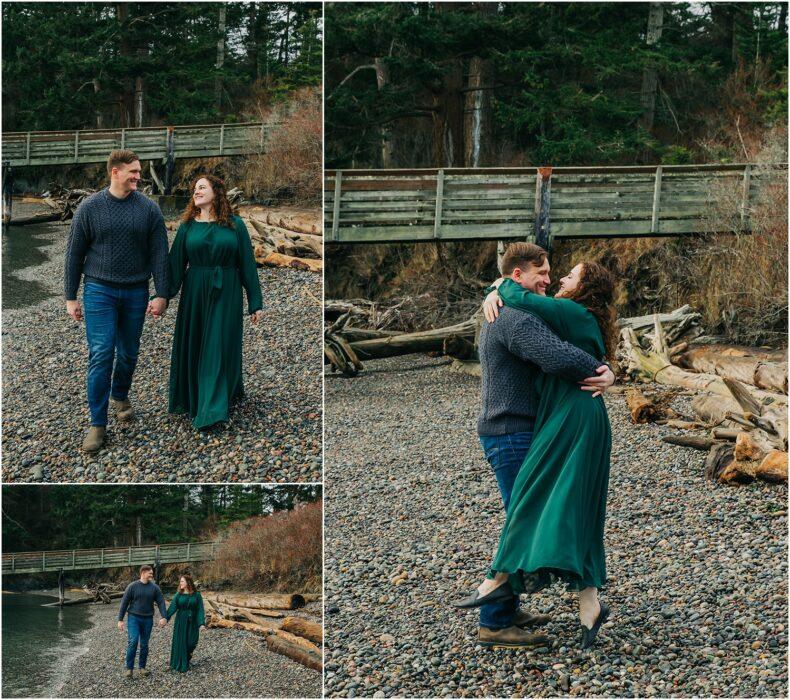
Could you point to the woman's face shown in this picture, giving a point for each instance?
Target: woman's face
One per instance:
(570, 281)
(204, 193)
(182, 584)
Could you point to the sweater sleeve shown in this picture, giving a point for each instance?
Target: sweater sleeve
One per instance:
(247, 268)
(127, 598)
(532, 340)
(160, 601)
(76, 249)
(157, 247)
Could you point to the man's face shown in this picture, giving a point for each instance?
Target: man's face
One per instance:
(127, 175)
(533, 277)
(146, 576)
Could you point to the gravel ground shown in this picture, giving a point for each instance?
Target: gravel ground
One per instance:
(274, 433)
(698, 573)
(226, 663)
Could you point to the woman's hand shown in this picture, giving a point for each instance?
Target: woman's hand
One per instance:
(202, 627)
(491, 306)
(256, 317)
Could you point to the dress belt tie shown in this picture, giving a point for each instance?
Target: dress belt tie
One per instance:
(216, 277)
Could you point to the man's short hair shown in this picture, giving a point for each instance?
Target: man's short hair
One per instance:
(521, 254)
(120, 156)
(144, 568)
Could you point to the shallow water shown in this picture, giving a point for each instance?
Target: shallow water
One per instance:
(39, 644)
(22, 248)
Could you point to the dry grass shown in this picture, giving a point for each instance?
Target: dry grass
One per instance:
(275, 553)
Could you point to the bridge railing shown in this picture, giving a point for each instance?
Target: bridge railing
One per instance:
(150, 143)
(500, 203)
(30, 562)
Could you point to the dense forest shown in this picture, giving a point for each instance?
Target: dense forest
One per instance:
(82, 517)
(107, 65)
(470, 84)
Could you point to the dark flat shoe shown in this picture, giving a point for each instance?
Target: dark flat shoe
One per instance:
(589, 635)
(501, 593)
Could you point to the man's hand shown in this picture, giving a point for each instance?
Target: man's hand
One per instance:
(120, 625)
(491, 306)
(600, 383)
(162, 622)
(157, 307)
(74, 310)
(257, 316)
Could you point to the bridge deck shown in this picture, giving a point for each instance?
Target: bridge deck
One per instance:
(36, 562)
(370, 206)
(150, 143)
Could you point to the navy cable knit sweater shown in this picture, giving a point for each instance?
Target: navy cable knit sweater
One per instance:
(119, 242)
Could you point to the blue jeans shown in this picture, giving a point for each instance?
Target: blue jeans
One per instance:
(113, 325)
(505, 453)
(139, 630)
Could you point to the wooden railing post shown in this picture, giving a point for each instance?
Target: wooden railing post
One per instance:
(336, 206)
(27, 148)
(543, 208)
(437, 215)
(13, 562)
(130, 556)
(171, 160)
(123, 138)
(747, 182)
(76, 145)
(188, 551)
(656, 201)
(221, 138)
(43, 561)
(102, 556)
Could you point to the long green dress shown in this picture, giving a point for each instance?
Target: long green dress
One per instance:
(555, 521)
(190, 615)
(212, 263)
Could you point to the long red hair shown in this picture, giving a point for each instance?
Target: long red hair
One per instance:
(595, 291)
(220, 206)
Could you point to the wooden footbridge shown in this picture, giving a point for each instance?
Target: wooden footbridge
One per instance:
(69, 560)
(543, 204)
(27, 148)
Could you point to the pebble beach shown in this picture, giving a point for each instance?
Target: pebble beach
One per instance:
(226, 663)
(697, 572)
(275, 431)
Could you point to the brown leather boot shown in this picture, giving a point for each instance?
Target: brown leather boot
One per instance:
(510, 638)
(524, 619)
(94, 439)
(123, 409)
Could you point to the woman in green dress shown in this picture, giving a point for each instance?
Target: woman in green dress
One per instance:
(210, 261)
(555, 521)
(187, 606)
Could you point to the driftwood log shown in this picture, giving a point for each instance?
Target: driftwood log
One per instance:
(756, 371)
(307, 658)
(293, 223)
(304, 628)
(279, 260)
(276, 601)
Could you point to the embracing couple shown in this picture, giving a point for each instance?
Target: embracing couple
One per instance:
(545, 431)
(140, 600)
(117, 242)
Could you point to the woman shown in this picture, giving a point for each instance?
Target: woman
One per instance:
(187, 606)
(555, 520)
(212, 259)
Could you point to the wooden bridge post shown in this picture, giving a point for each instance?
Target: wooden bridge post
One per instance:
(123, 139)
(8, 192)
(656, 201)
(171, 160)
(61, 587)
(336, 206)
(221, 138)
(157, 565)
(437, 214)
(543, 208)
(27, 148)
(747, 181)
(76, 146)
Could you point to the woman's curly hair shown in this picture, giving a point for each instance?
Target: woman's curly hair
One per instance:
(190, 583)
(220, 206)
(595, 291)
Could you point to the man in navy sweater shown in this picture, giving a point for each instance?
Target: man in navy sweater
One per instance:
(117, 241)
(139, 600)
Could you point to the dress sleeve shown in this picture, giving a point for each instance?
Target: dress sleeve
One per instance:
(172, 609)
(177, 260)
(514, 295)
(247, 268)
(201, 611)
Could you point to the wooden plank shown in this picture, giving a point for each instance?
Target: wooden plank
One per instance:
(336, 206)
(656, 202)
(437, 221)
(747, 172)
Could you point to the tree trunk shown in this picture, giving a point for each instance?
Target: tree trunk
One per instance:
(220, 56)
(386, 148)
(308, 629)
(126, 98)
(477, 113)
(655, 21)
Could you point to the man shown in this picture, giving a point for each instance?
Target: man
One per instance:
(117, 241)
(514, 350)
(139, 600)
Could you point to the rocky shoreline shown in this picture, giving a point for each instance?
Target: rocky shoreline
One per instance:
(227, 663)
(697, 572)
(275, 430)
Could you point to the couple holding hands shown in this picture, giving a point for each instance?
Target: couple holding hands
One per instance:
(117, 242)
